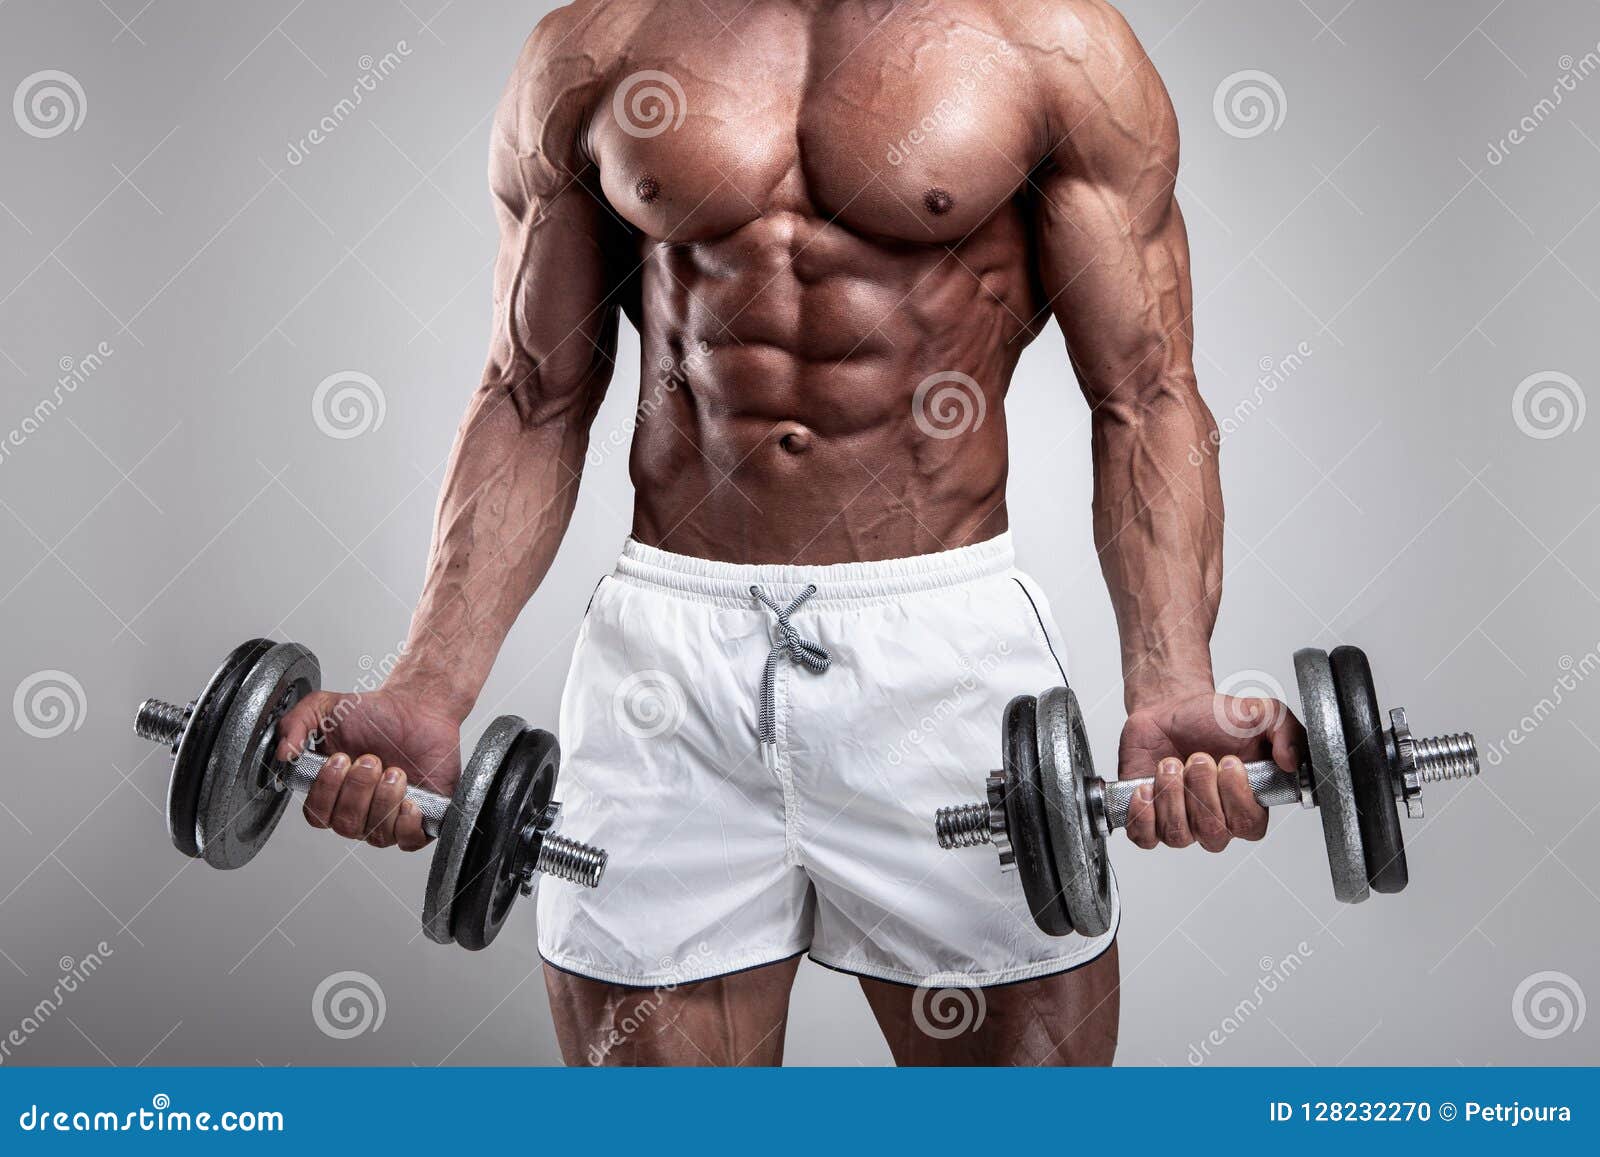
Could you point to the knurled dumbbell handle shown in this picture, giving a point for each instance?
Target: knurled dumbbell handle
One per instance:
(302, 773)
(1269, 783)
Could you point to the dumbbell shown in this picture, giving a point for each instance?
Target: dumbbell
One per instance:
(1048, 814)
(228, 792)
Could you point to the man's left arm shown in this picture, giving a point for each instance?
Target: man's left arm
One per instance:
(1114, 262)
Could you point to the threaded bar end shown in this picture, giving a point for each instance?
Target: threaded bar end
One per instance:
(160, 722)
(1447, 757)
(966, 826)
(569, 860)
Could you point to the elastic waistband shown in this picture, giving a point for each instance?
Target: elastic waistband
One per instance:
(845, 581)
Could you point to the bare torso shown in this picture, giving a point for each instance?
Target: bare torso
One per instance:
(828, 208)
(835, 225)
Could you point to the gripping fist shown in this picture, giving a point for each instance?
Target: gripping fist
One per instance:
(375, 742)
(1197, 746)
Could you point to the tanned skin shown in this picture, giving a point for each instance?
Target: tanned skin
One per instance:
(836, 200)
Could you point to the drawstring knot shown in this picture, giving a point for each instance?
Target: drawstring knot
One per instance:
(786, 641)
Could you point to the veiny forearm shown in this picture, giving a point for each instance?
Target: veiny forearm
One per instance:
(512, 481)
(1158, 527)
(1114, 261)
(508, 496)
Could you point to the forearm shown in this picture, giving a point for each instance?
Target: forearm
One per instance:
(508, 496)
(1158, 522)
(512, 481)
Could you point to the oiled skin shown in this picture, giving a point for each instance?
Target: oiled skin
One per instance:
(794, 286)
(830, 204)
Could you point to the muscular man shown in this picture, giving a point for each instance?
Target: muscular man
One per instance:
(835, 225)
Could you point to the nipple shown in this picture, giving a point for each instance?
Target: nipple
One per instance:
(938, 202)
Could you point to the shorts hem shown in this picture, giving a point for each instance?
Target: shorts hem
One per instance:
(994, 978)
(746, 962)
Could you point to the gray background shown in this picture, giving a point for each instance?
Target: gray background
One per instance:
(183, 498)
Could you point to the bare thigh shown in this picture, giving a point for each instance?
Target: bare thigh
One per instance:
(1070, 1019)
(730, 1020)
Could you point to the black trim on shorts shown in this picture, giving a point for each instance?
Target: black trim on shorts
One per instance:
(592, 593)
(997, 984)
(673, 983)
(1043, 630)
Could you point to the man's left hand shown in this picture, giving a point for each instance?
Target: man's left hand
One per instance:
(1196, 746)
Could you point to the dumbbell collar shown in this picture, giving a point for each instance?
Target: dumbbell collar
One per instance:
(1408, 783)
(531, 844)
(999, 833)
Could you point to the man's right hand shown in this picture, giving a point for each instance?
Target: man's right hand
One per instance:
(375, 741)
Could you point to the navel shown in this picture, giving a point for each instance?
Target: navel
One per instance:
(797, 440)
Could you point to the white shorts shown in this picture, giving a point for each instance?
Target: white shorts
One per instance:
(726, 854)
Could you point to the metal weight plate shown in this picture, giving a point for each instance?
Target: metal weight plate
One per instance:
(1367, 741)
(199, 733)
(491, 877)
(1065, 765)
(1330, 767)
(460, 821)
(1026, 824)
(240, 804)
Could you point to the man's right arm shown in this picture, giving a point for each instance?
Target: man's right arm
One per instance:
(512, 480)
(513, 475)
